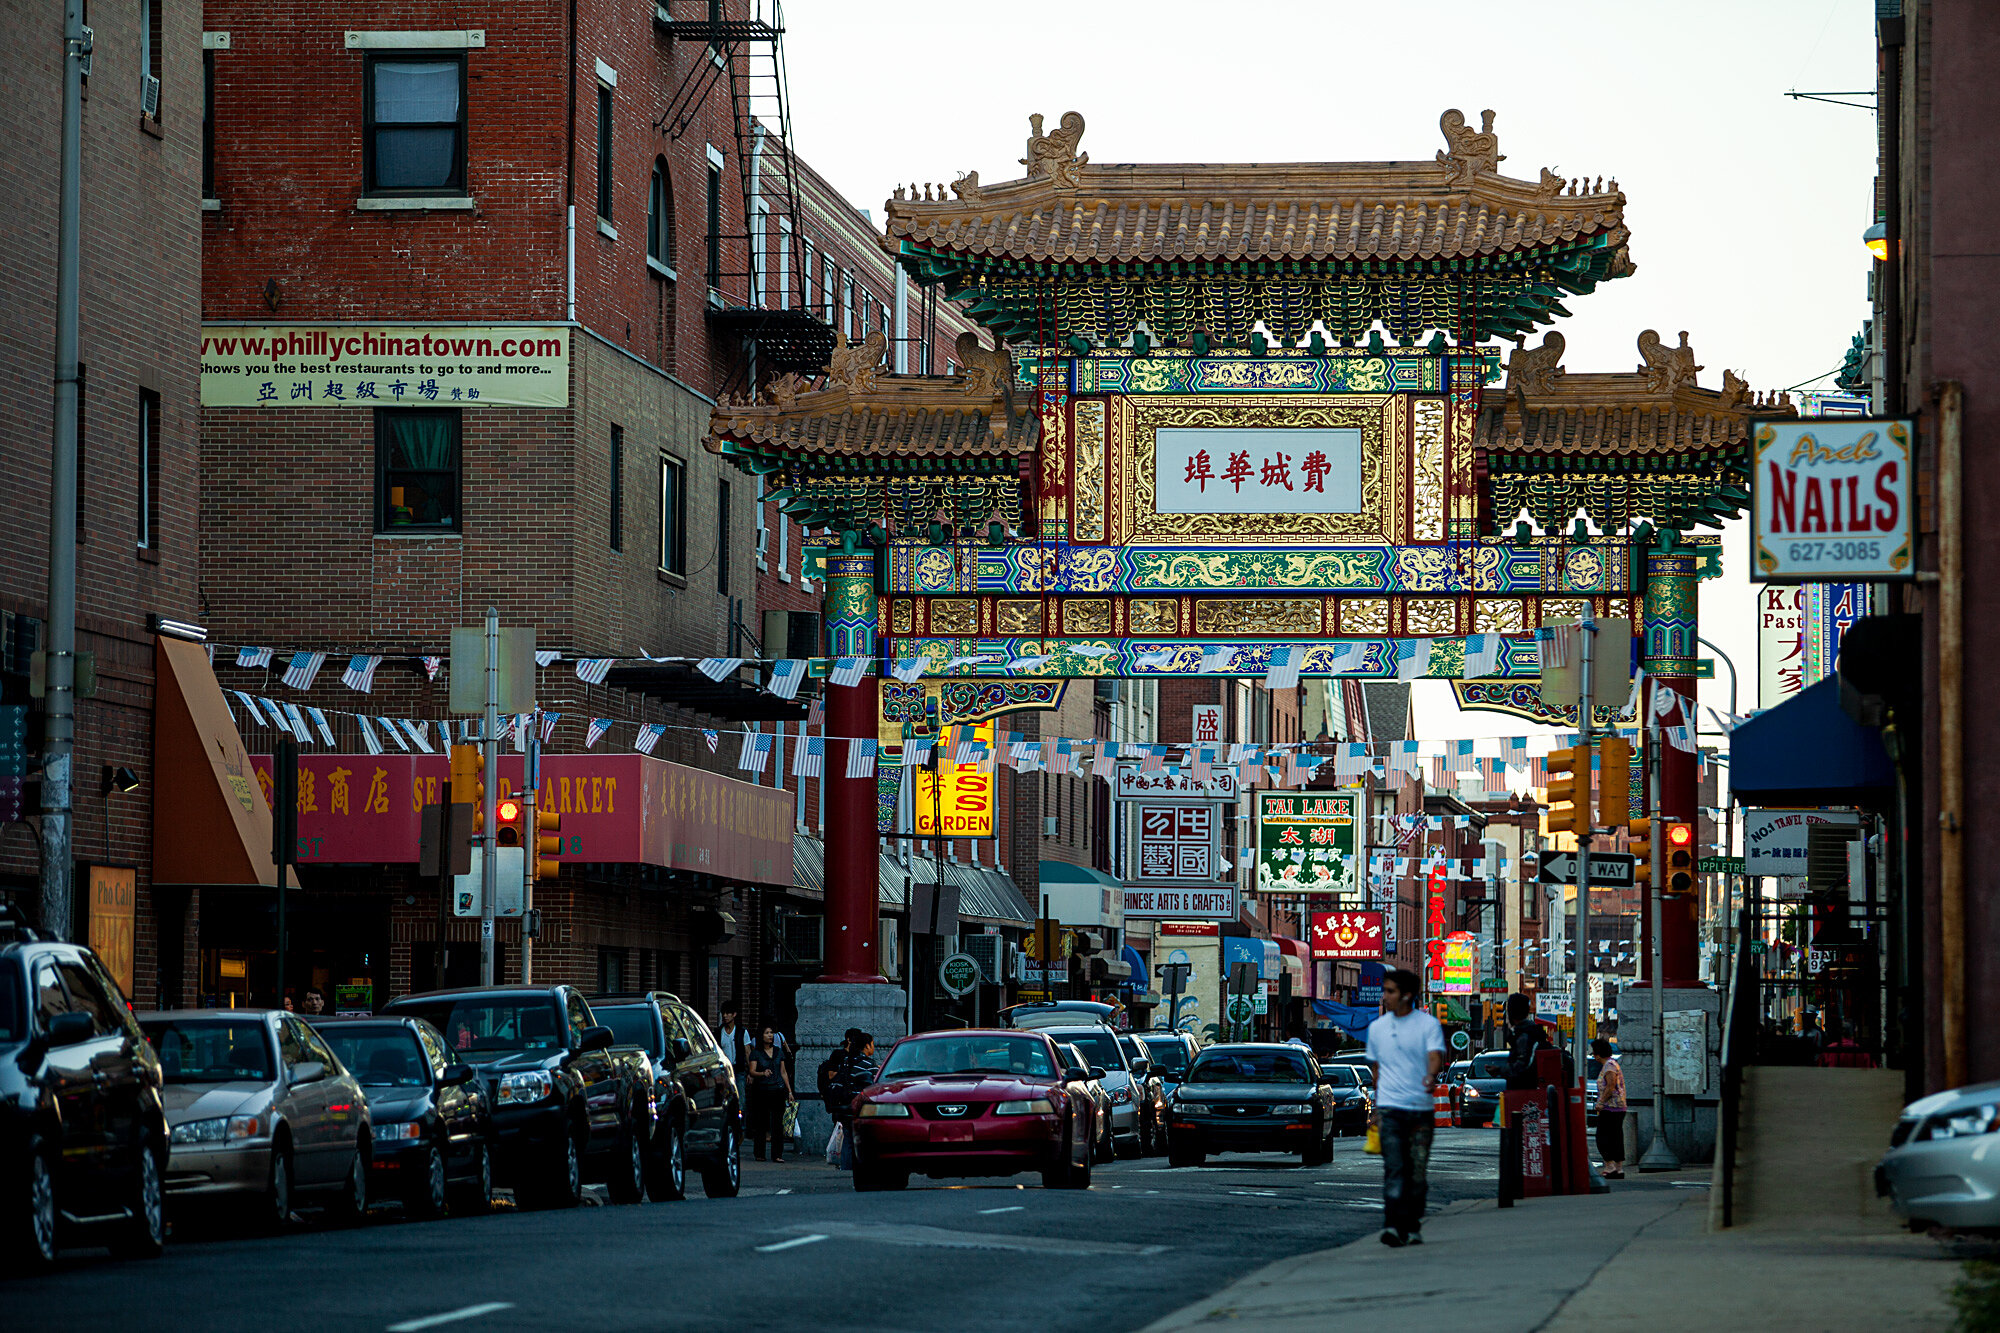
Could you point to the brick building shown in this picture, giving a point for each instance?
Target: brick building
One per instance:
(529, 245)
(137, 528)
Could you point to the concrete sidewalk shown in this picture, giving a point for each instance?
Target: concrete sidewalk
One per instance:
(1640, 1256)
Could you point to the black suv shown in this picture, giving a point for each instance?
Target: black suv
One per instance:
(564, 1104)
(83, 1138)
(700, 1114)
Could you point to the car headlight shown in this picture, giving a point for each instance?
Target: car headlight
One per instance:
(1472, 1094)
(1291, 1108)
(883, 1110)
(222, 1129)
(1189, 1108)
(1038, 1106)
(1979, 1120)
(526, 1088)
(401, 1131)
(1120, 1096)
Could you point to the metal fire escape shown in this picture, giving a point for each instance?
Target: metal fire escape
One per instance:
(756, 280)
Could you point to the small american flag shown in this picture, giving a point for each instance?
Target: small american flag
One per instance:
(592, 670)
(861, 758)
(712, 736)
(299, 675)
(1558, 645)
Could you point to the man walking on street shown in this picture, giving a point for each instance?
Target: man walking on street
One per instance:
(734, 1041)
(1407, 1049)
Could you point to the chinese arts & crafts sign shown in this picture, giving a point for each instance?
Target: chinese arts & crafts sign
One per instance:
(1176, 843)
(384, 366)
(1306, 843)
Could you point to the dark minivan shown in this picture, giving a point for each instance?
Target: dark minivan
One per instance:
(700, 1115)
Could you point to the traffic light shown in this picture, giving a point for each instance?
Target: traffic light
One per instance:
(468, 783)
(548, 842)
(1614, 783)
(510, 814)
(1680, 858)
(1569, 792)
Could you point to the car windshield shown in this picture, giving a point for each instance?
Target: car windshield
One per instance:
(1489, 1066)
(1168, 1056)
(923, 1056)
(218, 1050)
(630, 1024)
(381, 1057)
(489, 1027)
(1341, 1076)
(1100, 1048)
(1249, 1067)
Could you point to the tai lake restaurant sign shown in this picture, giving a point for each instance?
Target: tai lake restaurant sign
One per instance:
(1831, 500)
(1306, 843)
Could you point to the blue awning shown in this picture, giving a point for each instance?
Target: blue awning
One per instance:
(1807, 751)
(1138, 965)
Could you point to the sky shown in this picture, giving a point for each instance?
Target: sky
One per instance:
(1746, 207)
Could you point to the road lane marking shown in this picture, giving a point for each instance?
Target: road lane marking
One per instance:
(794, 1243)
(886, 1233)
(1260, 1194)
(784, 1191)
(1013, 1208)
(451, 1316)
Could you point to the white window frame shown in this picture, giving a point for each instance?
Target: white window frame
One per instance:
(784, 263)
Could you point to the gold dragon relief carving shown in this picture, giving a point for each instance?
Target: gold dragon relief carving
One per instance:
(1019, 617)
(1088, 506)
(902, 616)
(1430, 615)
(1086, 615)
(1364, 615)
(1154, 615)
(956, 616)
(1133, 444)
(1498, 615)
(1428, 477)
(1257, 615)
(1562, 608)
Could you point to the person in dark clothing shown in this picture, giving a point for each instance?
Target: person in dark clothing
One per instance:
(770, 1092)
(1525, 1037)
(856, 1072)
(829, 1070)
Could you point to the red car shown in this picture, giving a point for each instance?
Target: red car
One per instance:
(973, 1103)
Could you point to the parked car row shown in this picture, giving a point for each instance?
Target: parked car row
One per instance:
(109, 1119)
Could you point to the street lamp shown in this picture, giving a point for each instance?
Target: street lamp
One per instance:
(1876, 238)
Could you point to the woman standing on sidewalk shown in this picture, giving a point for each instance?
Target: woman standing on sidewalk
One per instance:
(770, 1093)
(1610, 1110)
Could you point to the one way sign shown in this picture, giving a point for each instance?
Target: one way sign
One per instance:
(1607, 869)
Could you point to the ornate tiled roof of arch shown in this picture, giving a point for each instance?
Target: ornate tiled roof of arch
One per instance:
(1647, 443)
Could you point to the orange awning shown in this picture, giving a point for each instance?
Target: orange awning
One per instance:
(211, 823)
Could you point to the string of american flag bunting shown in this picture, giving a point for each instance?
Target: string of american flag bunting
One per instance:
(1288, 764)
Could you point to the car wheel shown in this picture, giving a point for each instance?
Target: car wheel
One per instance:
(427, 1197)
(144, 1234)
(627, 1183)
(1079, 1177)
(723, 1179)
(1056, 1174)
(666, 1169)
(352, 1209)
(30, 1245)
(1132, 1147)
(562, 1176)
(277, 1210)
(476, 1194)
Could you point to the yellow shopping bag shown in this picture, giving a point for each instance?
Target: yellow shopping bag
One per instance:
(1373, 1143)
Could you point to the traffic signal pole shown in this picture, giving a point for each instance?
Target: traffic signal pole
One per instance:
(1580, 1000)
(1658, 1156)
(489, 885)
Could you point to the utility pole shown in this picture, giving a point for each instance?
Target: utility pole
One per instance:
(1658, 1155)
(531, 770)
(490, 841)
(59, 704)
(1586, 804)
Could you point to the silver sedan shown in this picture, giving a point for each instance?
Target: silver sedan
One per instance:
(1943, 1164)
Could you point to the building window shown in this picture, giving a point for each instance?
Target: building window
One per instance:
(149, 60)
(712, 218)
(617, 488)
(149, 470)
(847, 304)
(413, 136)
(604, 152)
(722, 536)
(208, 124)
(673, 515)
(660, 218)
(417, 470)
(867, 304)
(808, 282)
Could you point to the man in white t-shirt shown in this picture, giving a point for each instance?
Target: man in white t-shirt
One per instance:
(1406, 1046)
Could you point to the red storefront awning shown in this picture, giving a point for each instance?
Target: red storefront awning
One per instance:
(368, 808)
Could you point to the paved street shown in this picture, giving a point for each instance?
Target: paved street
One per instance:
(798, 1248)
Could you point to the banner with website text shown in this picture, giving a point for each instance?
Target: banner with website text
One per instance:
(384, 365)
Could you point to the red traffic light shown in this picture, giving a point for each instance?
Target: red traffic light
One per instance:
(508, 810)
(1679, 835)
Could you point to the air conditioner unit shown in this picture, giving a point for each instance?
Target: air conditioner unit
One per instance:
(149, 95)
(891, 961)
(987, 951)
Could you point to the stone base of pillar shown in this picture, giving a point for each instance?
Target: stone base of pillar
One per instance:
(826, 1011)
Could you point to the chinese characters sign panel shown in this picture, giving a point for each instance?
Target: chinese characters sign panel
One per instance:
(1350, 935)
(1176, 843)
(964, 800)
(1207, 724)
(1831, 500)
(1799, 629)
(1135, 784)
(1244, 470)
(366, 365)
(1305, 843)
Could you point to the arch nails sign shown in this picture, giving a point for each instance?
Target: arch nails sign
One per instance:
(1831, 500)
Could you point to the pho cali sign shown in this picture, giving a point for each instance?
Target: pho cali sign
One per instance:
(1831, 500)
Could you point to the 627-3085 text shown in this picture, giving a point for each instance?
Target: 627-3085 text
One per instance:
(1834, 551)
